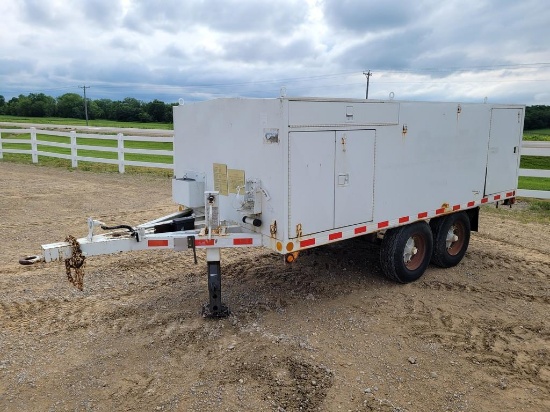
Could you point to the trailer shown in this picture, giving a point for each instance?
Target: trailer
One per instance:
(291, 174)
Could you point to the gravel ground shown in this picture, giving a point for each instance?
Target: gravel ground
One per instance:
(326, 333)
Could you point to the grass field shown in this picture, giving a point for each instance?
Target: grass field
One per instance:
(526, 211)
(538, 135)
(534, 183)
(78, 122)
(527, 162)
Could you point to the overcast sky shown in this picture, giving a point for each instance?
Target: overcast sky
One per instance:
(449, 50)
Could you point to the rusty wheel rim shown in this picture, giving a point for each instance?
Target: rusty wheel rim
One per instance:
(455, 238)
(414, 252)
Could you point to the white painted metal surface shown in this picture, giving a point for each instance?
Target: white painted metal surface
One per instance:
(504, 146)
(291, 174)
(311, 182)
(321, 112)
(108, 244)
(400, 161)
(354, 173)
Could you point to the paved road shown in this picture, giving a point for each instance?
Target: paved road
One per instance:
(125, 130)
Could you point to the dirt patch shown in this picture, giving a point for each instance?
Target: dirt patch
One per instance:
(326, 333)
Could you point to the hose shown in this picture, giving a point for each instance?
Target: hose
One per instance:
(130, 228)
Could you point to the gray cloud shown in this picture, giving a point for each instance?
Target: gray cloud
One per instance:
(43, 13)
(367, 16)
(426, 49)
(429, 34)
(105, 13)
(266, 50)
(18, 65)
(123, 43)
(396, 50)
(231, 16)
(173, 50)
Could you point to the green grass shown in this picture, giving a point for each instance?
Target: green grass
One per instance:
(79, 122)
(537, 135)
(84, 166)
(534, 162)
(525, 210)
(534, 183)
(540, 205)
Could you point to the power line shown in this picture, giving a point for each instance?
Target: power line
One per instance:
(467, 69)
(85, 101)
(425, 75)
(317, 77)
(367, 75)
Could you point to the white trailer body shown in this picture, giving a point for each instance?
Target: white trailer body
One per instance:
(295, 173)
(329, 169)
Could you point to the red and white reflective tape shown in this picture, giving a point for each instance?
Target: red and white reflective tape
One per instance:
(174, 240)
(204, 242)
(307, 243)
(365, 228)
(243, 241)
(359, 230)
(157, 243)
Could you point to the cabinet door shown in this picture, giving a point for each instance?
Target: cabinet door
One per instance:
(503, 155)
(354, 177)
(311, 182)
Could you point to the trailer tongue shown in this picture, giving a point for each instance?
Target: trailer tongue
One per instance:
(179, 231)
(291, 174)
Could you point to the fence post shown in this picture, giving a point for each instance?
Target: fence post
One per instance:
(1, 151)
(34, 146)
(74, 152)
(120, 138)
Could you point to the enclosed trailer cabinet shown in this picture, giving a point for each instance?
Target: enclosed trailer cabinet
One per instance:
(331, 169)
(295, 173)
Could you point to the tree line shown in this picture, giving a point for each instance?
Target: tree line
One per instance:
(71, 105)
(132, 110)
(537, 117)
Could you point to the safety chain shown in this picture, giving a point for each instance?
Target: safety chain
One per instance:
(273, 229)
(76, 262)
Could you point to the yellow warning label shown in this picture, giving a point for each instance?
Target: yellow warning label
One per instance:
(220, 178)
(235, 179)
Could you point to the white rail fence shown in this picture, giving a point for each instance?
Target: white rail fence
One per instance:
(120, 150)
(528, 148)
(531, 148)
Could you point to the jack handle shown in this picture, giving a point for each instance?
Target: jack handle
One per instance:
(191, 244)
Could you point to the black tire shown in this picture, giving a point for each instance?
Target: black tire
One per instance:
(29, 260)
(451, 236)
(406, 251)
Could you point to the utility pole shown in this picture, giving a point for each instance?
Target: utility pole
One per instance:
(367, 75)
(86, 101)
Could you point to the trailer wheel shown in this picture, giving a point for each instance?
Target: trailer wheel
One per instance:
(406, 251)
(451, 236)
